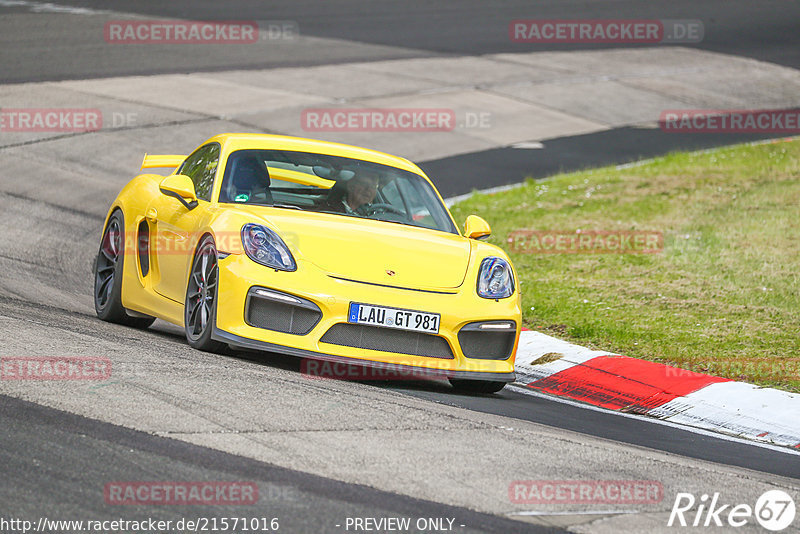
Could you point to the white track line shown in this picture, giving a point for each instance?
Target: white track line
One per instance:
(583, 512)
(534, 393)
(47, 7)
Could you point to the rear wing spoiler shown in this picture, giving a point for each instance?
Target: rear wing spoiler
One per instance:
(152, 161)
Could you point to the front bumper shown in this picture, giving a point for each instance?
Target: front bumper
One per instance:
(332, 296)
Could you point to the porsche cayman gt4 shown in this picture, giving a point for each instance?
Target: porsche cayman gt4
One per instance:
(314, 249)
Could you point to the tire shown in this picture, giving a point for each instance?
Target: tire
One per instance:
(200, 304)
(476, 386)
(108, 269)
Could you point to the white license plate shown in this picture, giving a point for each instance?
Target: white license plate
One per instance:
(393, 318)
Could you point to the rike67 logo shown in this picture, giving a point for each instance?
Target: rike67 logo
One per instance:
(774, 511)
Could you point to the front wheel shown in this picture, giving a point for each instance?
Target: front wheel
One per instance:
(476, 386)
(200, 308)
(108, 269)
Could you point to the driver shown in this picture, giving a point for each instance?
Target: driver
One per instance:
(361, 191)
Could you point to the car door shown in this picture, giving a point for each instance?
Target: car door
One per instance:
(176, 227)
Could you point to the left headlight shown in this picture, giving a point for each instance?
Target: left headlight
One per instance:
(495, 279)
(264, 246)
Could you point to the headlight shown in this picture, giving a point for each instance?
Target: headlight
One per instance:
(264, 246)
(495, 279)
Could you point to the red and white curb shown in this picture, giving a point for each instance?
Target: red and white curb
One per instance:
(676, 395)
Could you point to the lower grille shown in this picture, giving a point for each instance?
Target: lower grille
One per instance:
(280, 316)
(388, 340)
(486, 345)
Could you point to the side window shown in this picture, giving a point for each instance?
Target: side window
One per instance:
(201, 167)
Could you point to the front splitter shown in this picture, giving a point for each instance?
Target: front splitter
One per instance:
(422, 372)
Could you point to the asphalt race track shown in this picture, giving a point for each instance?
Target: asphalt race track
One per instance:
(391, 29)
(320, 451)
(78, 443)
(497, 167)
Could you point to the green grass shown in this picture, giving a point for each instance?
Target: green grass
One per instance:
(724, 295)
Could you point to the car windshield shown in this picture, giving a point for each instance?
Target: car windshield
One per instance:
(332, 184)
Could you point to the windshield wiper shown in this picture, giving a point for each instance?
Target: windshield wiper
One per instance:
(288, 206)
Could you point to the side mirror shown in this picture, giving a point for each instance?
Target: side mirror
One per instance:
(476, 228)
(181, 187)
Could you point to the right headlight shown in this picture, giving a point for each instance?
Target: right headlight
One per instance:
(264, 246)
(495, 279)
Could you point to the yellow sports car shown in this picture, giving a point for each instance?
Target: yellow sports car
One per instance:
(314, 249)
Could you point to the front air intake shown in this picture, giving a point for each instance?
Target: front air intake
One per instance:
(144, 247)
(281, 312)
(388, 340)
(488, 340)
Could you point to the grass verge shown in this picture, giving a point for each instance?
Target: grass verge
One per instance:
(722, 297)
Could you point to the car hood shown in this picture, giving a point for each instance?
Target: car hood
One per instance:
(371, 251)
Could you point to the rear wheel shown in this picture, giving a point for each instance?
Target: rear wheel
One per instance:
(200, 308)
(476, 386)
(108, 268)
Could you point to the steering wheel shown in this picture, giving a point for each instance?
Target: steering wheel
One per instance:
(380, 207)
